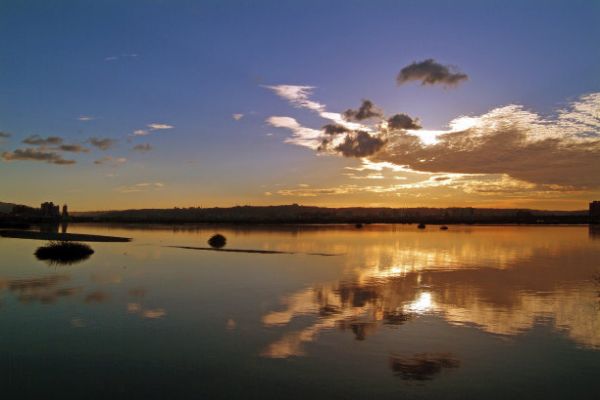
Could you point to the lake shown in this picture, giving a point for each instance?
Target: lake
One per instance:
(386, 311)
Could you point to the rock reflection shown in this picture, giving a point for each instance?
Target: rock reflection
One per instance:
(423, 366)
(506, 298)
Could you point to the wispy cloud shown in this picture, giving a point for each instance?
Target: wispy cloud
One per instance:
(158, 126)
(430, 72)
(37, 140)
(301, 135)
(116, 57)
(85, 118)
(152, 127)
(111, 161)
(102, 143)
(142, 147)
(237, 117)
(298, 96)
(141, 187)
(28, 154)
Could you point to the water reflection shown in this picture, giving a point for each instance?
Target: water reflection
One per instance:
(49, 289)
(500, 286)
(594, 231)
(423, 366)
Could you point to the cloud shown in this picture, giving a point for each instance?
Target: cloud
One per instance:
(510, 145)
(297, 95)
(142, 147)
(112, 161)
(4, 135)
(102, 143)
(237, 117)
(125, 55)
(157, 126)
(141, 187)
(430, 72)
(73, 148)
(36, 155)
(301, 135)
(85, 118)
(37, 140)
(366, 110)
(152, 127)
(564, 150)
(360, 144)
(335, 129)
(403, 121)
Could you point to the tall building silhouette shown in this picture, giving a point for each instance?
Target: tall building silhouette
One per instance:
(595, 212)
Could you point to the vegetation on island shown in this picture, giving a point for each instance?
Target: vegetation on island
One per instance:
(58, 252)
(217, 241)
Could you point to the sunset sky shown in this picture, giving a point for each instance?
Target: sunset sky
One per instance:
(138, 104)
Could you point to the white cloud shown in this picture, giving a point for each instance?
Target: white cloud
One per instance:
(85, 118)
(140, 132)
(301, 136)
(298, 96)
(158, 126)
(237, 117)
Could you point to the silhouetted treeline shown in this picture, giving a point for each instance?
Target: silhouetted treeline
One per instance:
(306, 214)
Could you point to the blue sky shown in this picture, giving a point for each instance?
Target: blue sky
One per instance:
(192, 65)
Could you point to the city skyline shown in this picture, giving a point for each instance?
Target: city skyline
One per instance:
(176, 104)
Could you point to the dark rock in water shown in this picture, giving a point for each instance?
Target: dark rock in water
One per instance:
(444, 228)
(217, 241)
(64, 252)
(421, 226)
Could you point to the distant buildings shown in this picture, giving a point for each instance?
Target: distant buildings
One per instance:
(49, 210)
(595, 212)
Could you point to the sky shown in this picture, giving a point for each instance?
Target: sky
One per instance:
(155, 104)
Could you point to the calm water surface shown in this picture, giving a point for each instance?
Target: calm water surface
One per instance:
(395, 312)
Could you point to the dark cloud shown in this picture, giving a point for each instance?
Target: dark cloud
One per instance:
(366, 110)
(36, 155)
(102, 143)
(142, 147)
(37, 140)
(430, 72)
(335, 129)
(4, 135)
(403, 121)
(110, 160)
(360, 144)
(73, 148)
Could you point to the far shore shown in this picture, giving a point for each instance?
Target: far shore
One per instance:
(65, 237)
